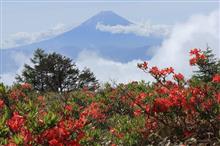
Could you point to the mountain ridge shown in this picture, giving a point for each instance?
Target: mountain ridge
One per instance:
(118, 47)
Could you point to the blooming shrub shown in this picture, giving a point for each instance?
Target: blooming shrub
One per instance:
(170, 110)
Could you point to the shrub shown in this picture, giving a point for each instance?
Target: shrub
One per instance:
(165, 112)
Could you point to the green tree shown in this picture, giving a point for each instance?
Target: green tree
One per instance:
(62, 73)
(36, 74)
(54, 72)
(87, 78)
(209, 67)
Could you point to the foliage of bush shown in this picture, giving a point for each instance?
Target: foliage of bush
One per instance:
(166, 112)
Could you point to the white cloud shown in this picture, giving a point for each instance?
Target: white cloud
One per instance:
(174, 51)
(20, 59)
(7, 78)
(108, 70)
(24, 38)
(139, 29)
(195, 33)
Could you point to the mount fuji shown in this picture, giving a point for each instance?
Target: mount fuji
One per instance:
(117, 47)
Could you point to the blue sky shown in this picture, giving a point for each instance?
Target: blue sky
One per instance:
(41, 16)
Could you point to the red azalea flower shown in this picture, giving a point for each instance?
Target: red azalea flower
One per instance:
(151, 124)
(26, 134)
(68, 107)
(167, 71)
(163, 90)
(216, 78)
(187, 133)
(26, 86)
(178, 77)
(170, 70)
(16, 94)
(55, 142)
(67, 124)
(161, 104)
(202, 56)
(193, 61)
(112, 130)
(195, 51)
(137, 112)
(142, 95)
(206, 105)
(94, 111)
(154, 70)
(11, 144)
(218, 97)
(80, 135)
(192, 100)
(16, 122)
(143, 65)
(178, 100)
(56, 134)
(196, 56)
(147, 108)
(40, 98)
(73, 143)
(1, 103)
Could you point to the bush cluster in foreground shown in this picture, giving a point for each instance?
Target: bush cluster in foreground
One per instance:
(169, 111)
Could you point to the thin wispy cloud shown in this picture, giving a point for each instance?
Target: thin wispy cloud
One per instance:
(24, 38)
(139, 29)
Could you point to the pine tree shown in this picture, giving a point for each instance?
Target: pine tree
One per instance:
(208, 68)
(35, 75)
(87, 79)
(62, 73)
(54, 72)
